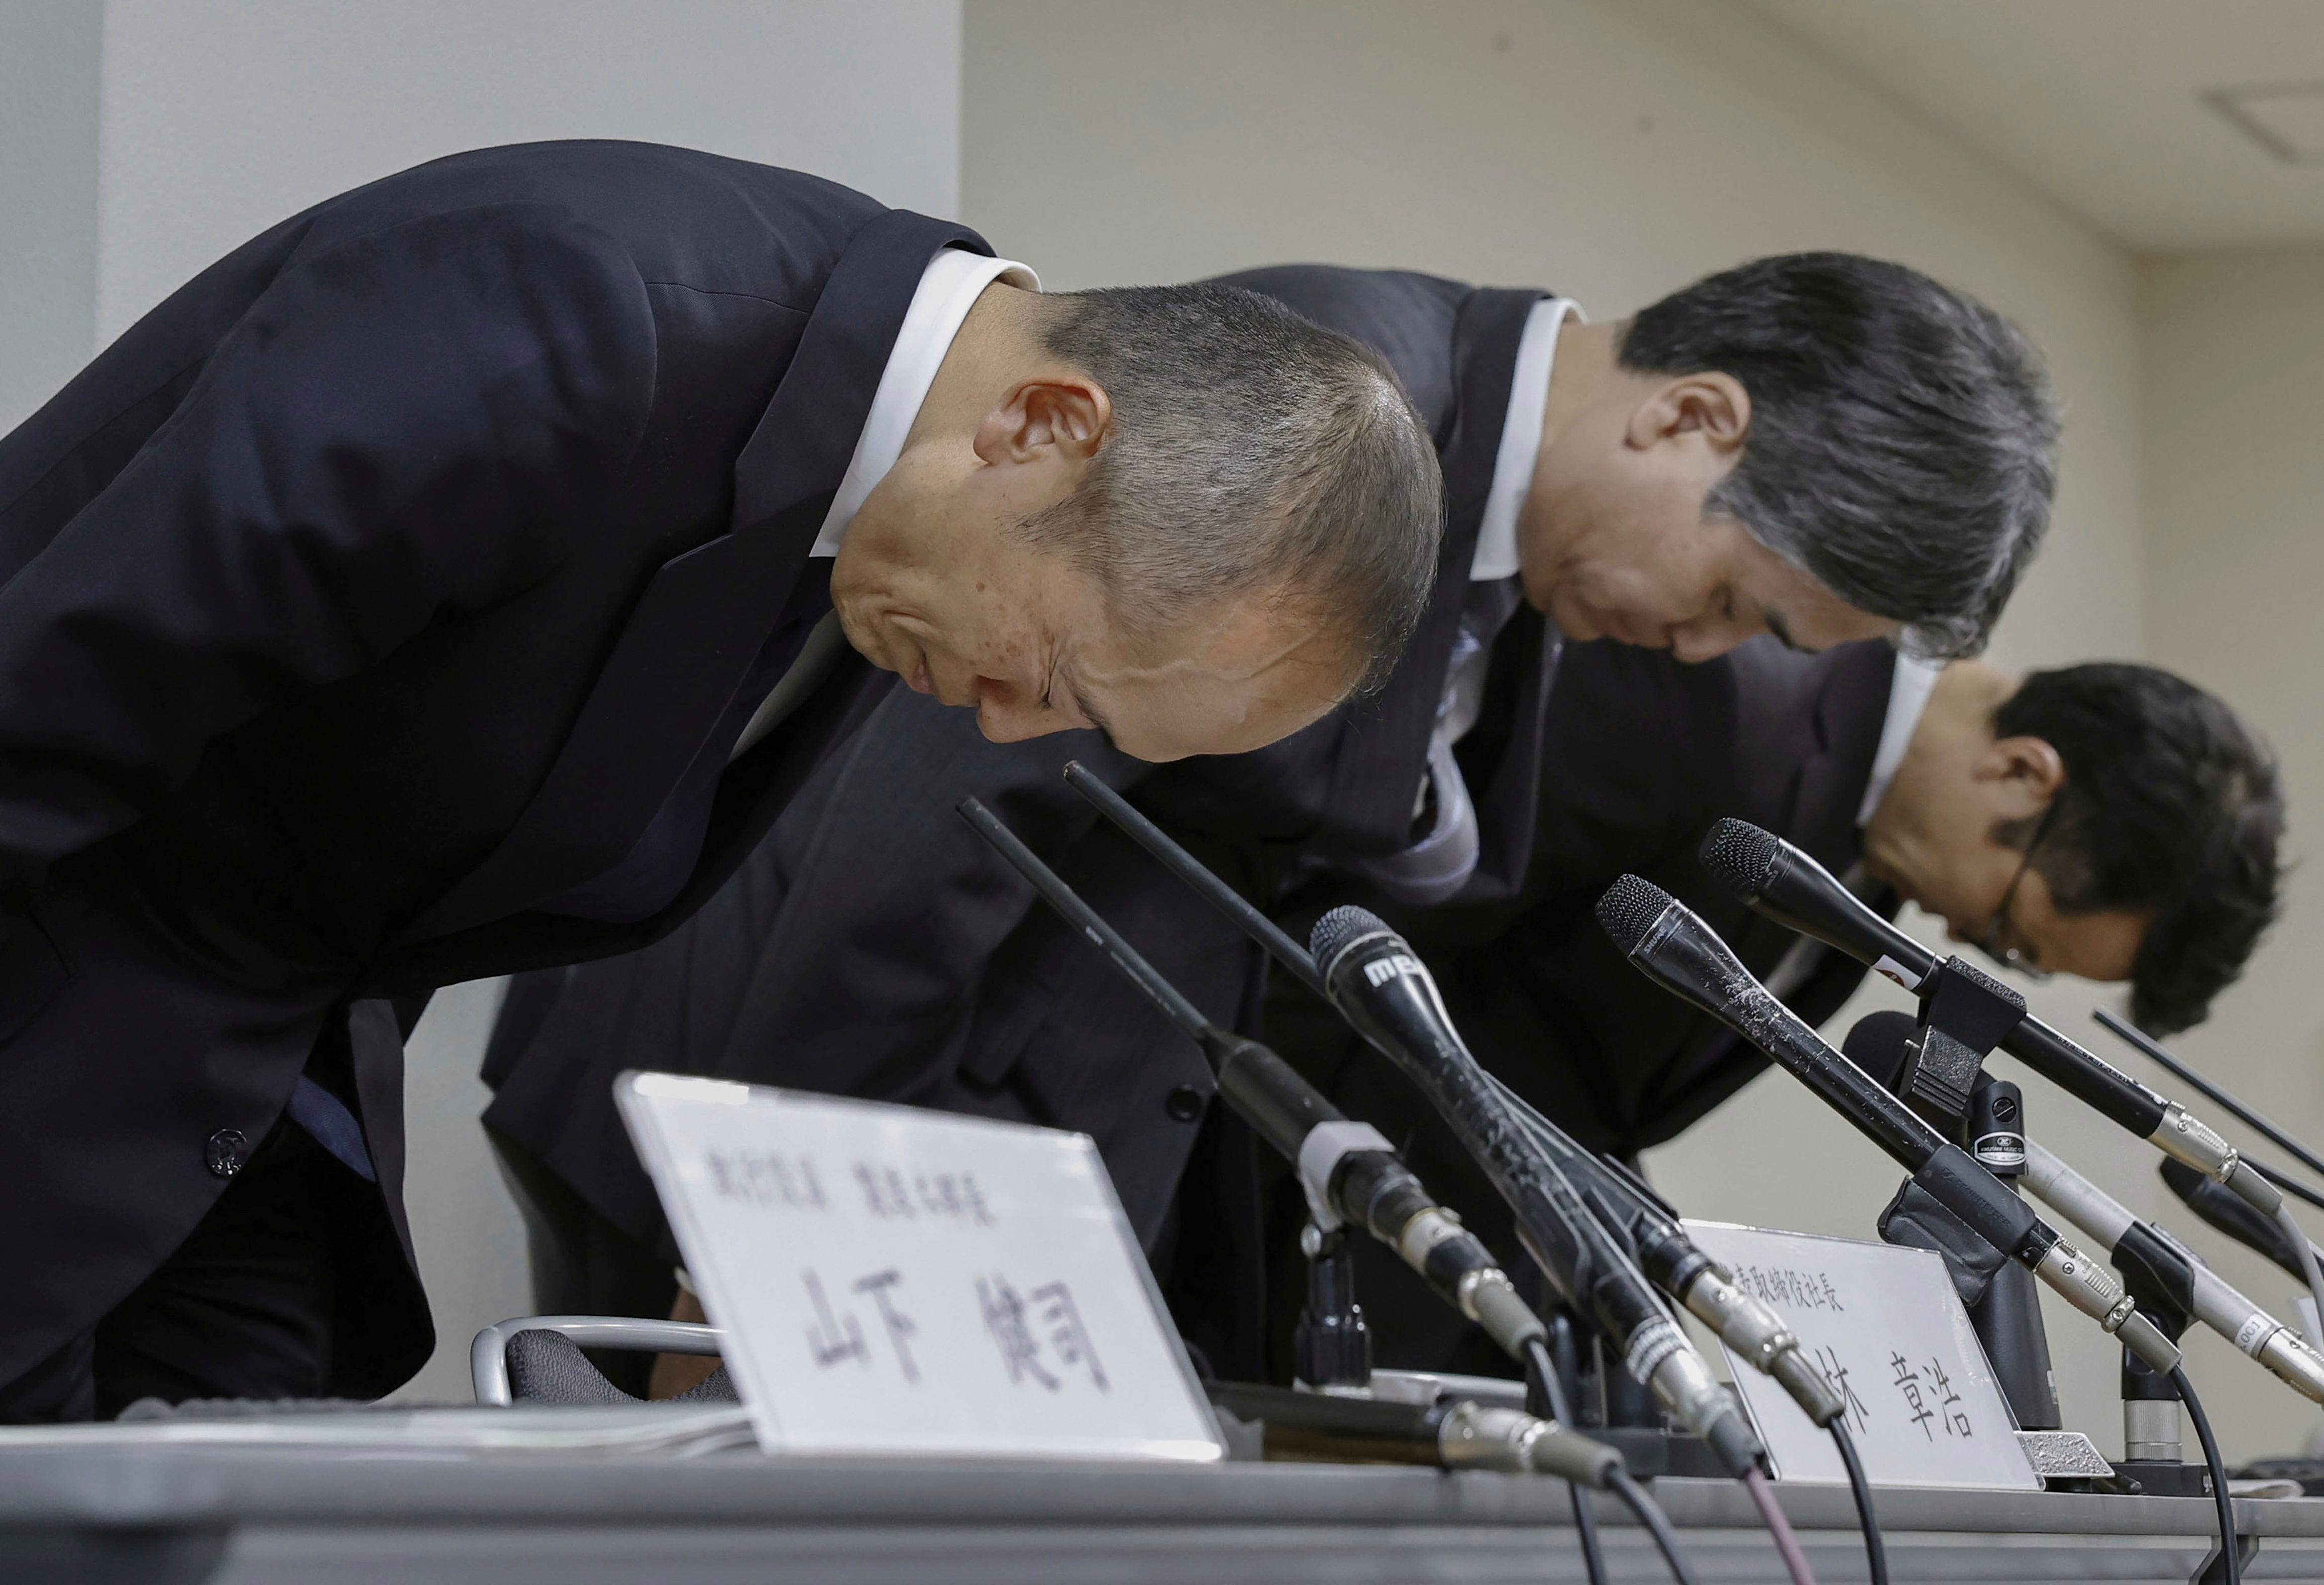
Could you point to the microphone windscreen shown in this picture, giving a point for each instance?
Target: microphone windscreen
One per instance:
(1876, 1045)
(1335, 930)
(1740, 856)
(1628, 911)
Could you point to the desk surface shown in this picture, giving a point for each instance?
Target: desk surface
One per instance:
(121, 1510)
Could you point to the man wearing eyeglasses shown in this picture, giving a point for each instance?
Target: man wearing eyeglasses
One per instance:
(2110, 821)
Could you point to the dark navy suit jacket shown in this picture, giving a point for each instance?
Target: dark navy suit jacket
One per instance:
(874, 946)
(1645, 755)
(371, 591)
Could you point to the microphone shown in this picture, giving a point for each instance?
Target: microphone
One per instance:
(1785, 885)
(1349, 1171)
(1666, 1255)
(1876, 1044)
(1451, 1434)
(1377, 983)
(1676, 1264)
(1665, 940)
(2225, 1214)
(2211, 1299)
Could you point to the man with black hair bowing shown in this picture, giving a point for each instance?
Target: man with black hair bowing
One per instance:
(2107, 821)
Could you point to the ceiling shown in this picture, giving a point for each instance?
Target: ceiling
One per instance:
(2170, 125)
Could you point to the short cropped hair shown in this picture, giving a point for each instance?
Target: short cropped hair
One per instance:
(1250, 454)
(2170, 805)
(1902, 447)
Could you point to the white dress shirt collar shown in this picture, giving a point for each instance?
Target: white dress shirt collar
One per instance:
(948, 288)
(1497, 536)
(1908, 695)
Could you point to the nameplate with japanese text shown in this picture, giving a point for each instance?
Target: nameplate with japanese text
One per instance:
(897, 1281)
(1889, 1330)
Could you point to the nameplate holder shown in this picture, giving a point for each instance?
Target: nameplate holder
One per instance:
(1889, 1330)
(893, 1281)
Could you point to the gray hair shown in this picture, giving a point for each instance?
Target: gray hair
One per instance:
(1251, 455)
(1903, 447)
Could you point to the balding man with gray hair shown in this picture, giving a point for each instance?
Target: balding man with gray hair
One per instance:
(463, 575)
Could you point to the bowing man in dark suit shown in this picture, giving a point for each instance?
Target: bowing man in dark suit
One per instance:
(461, 576)
(1685, 479)
(2110, 821)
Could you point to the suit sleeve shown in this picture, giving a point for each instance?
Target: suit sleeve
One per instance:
(892, 906)
(405, 426)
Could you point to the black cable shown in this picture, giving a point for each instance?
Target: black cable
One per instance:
(2231, 1562)
(1876, 1550)
(1625, 1484)
(2137, 1039)
(1546, 1382)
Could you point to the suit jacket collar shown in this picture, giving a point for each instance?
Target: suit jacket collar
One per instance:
(704, 616)
(1387, 741)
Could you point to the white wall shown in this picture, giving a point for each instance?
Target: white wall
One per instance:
(218, 120)
(48, 197)
(2235, 546)
(221, 119)
(1614, 150)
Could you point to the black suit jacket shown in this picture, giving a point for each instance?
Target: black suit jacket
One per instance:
(372, 590)
(1645, 755)
(875, 947)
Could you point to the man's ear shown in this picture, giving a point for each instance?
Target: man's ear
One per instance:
(2027, 774)
(1066, 413)
(1713, 405)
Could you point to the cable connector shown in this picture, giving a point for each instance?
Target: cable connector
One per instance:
(1472, 1436)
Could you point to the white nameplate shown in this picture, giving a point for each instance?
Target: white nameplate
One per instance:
(1890, 1332)
(898, 1280)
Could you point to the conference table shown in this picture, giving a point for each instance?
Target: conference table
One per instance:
(575, 1497)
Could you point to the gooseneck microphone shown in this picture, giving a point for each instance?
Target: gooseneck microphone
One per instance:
(1672, 946)
(1785, 885)
(1379, 985)
(1350, 1175)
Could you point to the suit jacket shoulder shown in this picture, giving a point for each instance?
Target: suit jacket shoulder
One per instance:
(1408, 319)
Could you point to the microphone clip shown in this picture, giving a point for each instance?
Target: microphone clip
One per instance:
(1965, 1013)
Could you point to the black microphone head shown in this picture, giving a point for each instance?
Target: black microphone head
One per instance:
(1628, 911)
(1876, 1045)
(2226, 1212)
(1336, 931)
(1740, 856)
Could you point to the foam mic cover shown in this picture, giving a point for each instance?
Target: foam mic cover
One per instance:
(1876, 1044)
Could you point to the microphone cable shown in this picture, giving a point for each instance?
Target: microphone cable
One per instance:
(1876, 1550)
(1787, 1545)
(2138, 1040)
(1542, 1133)
(1625, 1484)
(1546, 1380)
(2231, 1563)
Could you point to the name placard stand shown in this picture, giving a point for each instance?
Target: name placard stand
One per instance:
(890, 1280)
